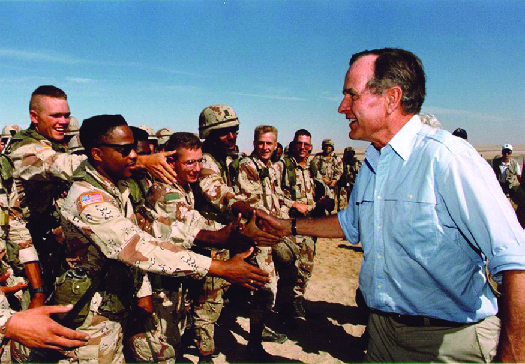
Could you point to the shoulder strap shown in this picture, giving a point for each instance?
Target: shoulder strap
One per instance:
(289, 176)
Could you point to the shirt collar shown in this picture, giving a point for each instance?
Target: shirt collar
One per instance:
(402, 143)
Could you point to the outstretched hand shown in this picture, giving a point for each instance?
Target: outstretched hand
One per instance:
(35, 329)
(272, 224)
(261, 237)
(158, 167)
(236, 270)
(10, 289)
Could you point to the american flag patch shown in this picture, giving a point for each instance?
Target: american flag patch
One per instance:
(41, 148)
(90, 198)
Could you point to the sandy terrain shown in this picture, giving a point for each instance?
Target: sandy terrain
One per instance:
(331, 336)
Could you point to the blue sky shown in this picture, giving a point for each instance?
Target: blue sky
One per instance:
(275, 62)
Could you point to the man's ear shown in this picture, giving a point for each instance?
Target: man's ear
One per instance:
(33, 116)
(96, 154)
(394, 95)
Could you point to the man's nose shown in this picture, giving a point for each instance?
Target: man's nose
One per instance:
(345, 104)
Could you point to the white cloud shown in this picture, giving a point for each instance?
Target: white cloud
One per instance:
(274, 97)
(80, 80)
(438, 111)
(39, 56)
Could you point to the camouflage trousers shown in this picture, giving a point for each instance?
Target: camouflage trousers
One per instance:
(294, 260)
(158, 337)
(305, 263)
(208, 300)
(105, 344)
(343, 194)
(262, 300)
(265, 300)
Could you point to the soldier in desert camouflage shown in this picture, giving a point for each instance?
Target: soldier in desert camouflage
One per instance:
(42, 170)
(173, 204)
(329, 165)
(98, 222)
(72, 139)
(259, 182)
(346, 183)
(299, 187)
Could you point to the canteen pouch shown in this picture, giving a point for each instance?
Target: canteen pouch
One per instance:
(69, 287)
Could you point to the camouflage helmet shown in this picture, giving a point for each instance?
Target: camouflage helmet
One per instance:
(74, 145)
(73, 127)
(9, 130)
(164, 134)
(430, 120)
(328, 142)
(149, 130)
(215, 117)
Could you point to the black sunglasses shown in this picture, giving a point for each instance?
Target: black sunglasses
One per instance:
(123, 149)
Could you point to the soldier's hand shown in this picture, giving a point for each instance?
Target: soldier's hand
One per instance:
(273, 225)
(146, 304)
(301, 207)
(260, 237)
(236, 270)
(35, 329)
(157, 166)
(10, 289)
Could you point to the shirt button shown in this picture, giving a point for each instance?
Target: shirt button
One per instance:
(410, 196)
(379, 256)
(379, 286)
(379, 197)
(379, 226)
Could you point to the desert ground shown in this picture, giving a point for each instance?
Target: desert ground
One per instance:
(333, 332)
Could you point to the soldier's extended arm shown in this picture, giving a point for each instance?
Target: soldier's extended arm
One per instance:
(118, 238)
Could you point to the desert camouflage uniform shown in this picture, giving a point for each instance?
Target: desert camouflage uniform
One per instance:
(41, 173)
(303, 192)
(214, 197)
(346, 183)
(170, 205)
(260, 186)
(99, 223)
(5, 314)
(330, 168)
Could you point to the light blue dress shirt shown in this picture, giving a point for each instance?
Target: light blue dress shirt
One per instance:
(428, 212)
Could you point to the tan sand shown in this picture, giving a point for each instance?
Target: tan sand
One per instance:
(332, 335)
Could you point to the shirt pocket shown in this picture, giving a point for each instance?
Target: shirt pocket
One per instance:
(411, 223)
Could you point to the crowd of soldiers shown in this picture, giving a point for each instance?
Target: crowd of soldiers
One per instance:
(139, 234)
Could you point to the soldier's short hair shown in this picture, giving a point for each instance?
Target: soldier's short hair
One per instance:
(46, 90)
(182, 140)
(263, 129)
(300, 132)
(97, 128)
(397, 67)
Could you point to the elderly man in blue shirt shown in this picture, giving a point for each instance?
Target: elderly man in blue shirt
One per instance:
(430, 216)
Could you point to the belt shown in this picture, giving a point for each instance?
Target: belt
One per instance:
(419, 321)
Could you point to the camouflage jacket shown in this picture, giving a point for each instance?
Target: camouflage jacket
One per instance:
(174, 209)
(302, 190)
(260, 185)
(41, 172)
(5, 314)
(330, 167)
(215, 194)
(98, 222)
(350, 171)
